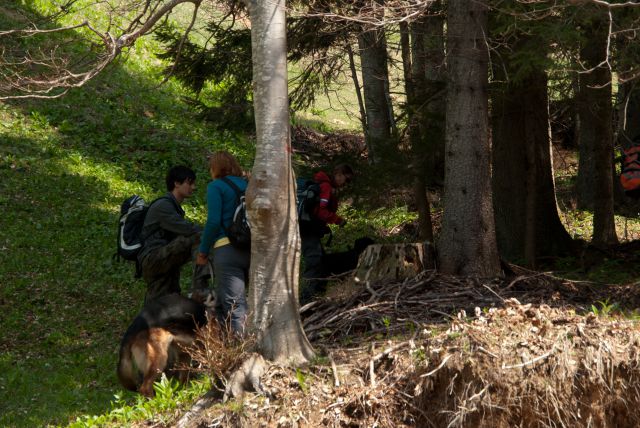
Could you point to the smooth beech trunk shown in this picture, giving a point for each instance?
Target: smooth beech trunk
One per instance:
(275, 252)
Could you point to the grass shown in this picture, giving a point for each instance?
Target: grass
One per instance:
(65, 167)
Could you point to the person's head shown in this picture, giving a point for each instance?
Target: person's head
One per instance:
(342, 175)
(181, 181)
(222, 163)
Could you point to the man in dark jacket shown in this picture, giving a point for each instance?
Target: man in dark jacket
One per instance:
(312, 232)
(169, 239)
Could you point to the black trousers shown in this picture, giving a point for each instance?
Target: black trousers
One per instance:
(314, 282)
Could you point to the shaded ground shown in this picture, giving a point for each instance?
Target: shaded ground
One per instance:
(436, 351)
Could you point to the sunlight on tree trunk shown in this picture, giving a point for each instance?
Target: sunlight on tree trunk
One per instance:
(275, 253)
(375, 87)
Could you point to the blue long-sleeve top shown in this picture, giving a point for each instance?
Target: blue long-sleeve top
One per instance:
(221, 204)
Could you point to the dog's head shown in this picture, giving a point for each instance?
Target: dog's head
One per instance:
(205, 297)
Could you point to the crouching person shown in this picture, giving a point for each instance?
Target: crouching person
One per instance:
(312, 232)
(169, 239)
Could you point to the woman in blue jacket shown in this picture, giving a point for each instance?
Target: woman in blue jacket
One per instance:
(231, 265)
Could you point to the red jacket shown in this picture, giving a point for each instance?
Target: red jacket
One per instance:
(326, 210)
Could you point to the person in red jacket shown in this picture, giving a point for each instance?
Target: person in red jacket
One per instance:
(314, 282)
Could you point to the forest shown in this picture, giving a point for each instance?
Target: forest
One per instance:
(495, 148)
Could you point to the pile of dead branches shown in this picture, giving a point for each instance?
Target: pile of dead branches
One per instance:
(396, 308)
(439, 351)
(531, 365)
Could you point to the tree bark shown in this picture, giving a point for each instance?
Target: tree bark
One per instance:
(627, 130)
(429, 79)
(423, 63)
(394, 262)
(275, 246)
(358, 88)
(375, 86)
(629, 116)
(595, 178)
(527, 222)
(418, 164)
(467, 240)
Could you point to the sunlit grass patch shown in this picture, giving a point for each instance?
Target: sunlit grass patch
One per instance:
(579, 224)
(169, 397)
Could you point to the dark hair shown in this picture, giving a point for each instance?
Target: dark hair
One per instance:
(346, 170)
(179, 174)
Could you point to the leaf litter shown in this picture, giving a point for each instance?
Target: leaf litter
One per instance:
(528, 350)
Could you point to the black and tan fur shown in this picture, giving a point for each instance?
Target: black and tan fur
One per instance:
(154, 342)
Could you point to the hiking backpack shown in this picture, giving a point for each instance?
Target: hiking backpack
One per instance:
(239, 231)
(132, 214)
(307, 198)
(630, 175)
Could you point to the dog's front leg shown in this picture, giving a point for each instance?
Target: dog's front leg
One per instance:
(157, 355)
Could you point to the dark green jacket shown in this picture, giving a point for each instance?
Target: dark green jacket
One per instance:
(163, 223)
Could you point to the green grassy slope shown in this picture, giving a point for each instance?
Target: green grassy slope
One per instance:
(65, 166)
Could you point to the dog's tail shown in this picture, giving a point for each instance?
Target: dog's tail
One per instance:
(127, 372)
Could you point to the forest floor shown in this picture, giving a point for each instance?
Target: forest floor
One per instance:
(529, 349)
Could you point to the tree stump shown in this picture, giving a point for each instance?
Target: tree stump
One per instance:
(394, 262)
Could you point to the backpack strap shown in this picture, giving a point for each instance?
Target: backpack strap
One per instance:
(173, 202)
(158, 227)
(233, 186)
(238, 192)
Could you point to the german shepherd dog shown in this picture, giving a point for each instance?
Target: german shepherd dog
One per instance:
(154, 342)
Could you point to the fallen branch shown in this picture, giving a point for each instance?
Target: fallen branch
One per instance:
(526, 363)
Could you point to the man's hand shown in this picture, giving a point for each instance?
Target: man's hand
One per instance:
(201, 259)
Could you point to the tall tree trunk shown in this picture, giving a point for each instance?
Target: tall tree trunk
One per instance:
(527, 222)
(595, 179)
(423, 63)
(375, 85)
(429, 76)
(356, 84)
(627, 130)
(275, 250)
(629, 113)
(468, 240)
(418, 164)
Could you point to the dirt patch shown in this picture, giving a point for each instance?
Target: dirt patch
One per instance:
(317, 149)
(438, 351)
(532, 365)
